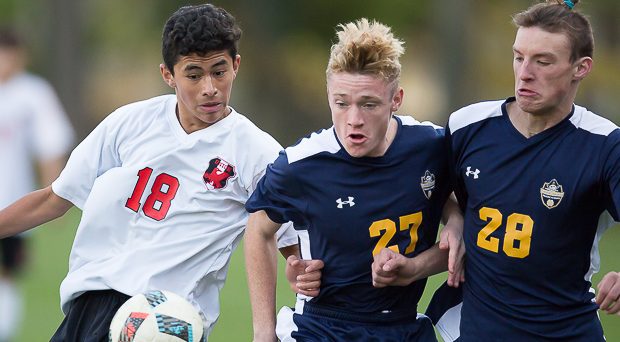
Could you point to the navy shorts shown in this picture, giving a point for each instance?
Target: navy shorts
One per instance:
(89, 317)
(13, 251)
(313, 323)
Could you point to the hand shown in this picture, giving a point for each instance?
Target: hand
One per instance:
(608, 297)
(390, 269)
(304, 276)
(451, 238)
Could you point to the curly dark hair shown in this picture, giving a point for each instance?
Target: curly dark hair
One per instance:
(198, 29)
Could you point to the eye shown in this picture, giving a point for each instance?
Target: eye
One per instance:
(193, 77)
(518, 59)
(543, 63)
(219, 73)
(370, 105)
(340, 104)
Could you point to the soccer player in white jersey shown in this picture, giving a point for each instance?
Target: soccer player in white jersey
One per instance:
(538, 179)
(33, 128)
(373, 180)
(162, 185)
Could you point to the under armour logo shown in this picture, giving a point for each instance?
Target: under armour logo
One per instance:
(470, 172)
(341, 202)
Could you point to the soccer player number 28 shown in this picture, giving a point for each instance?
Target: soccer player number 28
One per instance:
(158, 201)
(516, 241)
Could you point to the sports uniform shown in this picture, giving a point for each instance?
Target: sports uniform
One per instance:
(33, 128)
(162, 209)
(345, 209)
(534, 211)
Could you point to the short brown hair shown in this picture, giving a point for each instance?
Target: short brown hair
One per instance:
(556, 16)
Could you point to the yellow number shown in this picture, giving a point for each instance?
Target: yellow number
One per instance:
(390, 229)
(484, 239)
(523, 236)
(411, 222)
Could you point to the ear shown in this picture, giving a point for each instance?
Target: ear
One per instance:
(583, 66)
(397, 99)
(236, 63)
(167, 76)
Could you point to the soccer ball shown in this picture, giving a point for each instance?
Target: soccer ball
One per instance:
(156, 316)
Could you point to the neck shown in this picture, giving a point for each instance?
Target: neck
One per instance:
(529, 124)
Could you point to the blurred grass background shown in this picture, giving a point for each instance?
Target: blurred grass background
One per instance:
(50, 245)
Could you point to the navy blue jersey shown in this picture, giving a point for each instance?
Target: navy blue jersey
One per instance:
(345, 209)
(534, 210)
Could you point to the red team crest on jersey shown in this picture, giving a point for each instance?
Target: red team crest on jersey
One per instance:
(218, 173)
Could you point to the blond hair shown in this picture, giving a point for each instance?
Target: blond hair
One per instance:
(368, 48)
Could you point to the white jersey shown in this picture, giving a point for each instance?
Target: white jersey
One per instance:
(162, 209)
(33, 126)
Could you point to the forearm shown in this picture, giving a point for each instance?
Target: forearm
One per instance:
(32, 210)
(290, 250)
(428, 263)
(451, 211)
(261, 266)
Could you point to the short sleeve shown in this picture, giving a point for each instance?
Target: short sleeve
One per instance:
(91, 158)
(278, 194)
(53, 135)
(612, 174)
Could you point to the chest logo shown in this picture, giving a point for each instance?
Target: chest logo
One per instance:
(428, 184)
(551, 194)
(218, 174)
(472, 173)
(341, 203)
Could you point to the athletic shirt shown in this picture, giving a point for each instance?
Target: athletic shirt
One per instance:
(534, 212)
(162, 209)
(345, 209)
(33, 127)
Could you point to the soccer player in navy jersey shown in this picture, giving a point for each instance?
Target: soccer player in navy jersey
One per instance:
(374, 180)
(538, 180)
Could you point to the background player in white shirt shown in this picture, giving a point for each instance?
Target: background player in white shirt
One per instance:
(162, 185)
(35, 138)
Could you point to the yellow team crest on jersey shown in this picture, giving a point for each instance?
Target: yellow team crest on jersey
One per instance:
(551, 194)
(428, 184)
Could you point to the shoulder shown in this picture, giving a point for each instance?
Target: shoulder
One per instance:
(144, 110)
(474, 113)
(313, 144)
(409, 122)
(251, 134)
(591, 122)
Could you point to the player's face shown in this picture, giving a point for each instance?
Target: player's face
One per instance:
(203, 85)
(545, 79)
(11, 61)
(362, 107)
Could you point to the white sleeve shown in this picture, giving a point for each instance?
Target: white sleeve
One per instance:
(53, 135)
(91, 158)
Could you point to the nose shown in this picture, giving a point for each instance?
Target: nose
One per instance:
(524, 71)
(354, 117)
(208, 87)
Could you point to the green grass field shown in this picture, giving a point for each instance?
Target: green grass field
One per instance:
(50, 247)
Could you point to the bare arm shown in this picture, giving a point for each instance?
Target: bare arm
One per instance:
(451, 238)
(261, 267)
(394, 269)
(32, 210)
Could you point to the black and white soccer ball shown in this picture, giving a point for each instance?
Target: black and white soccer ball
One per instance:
(156, 316)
